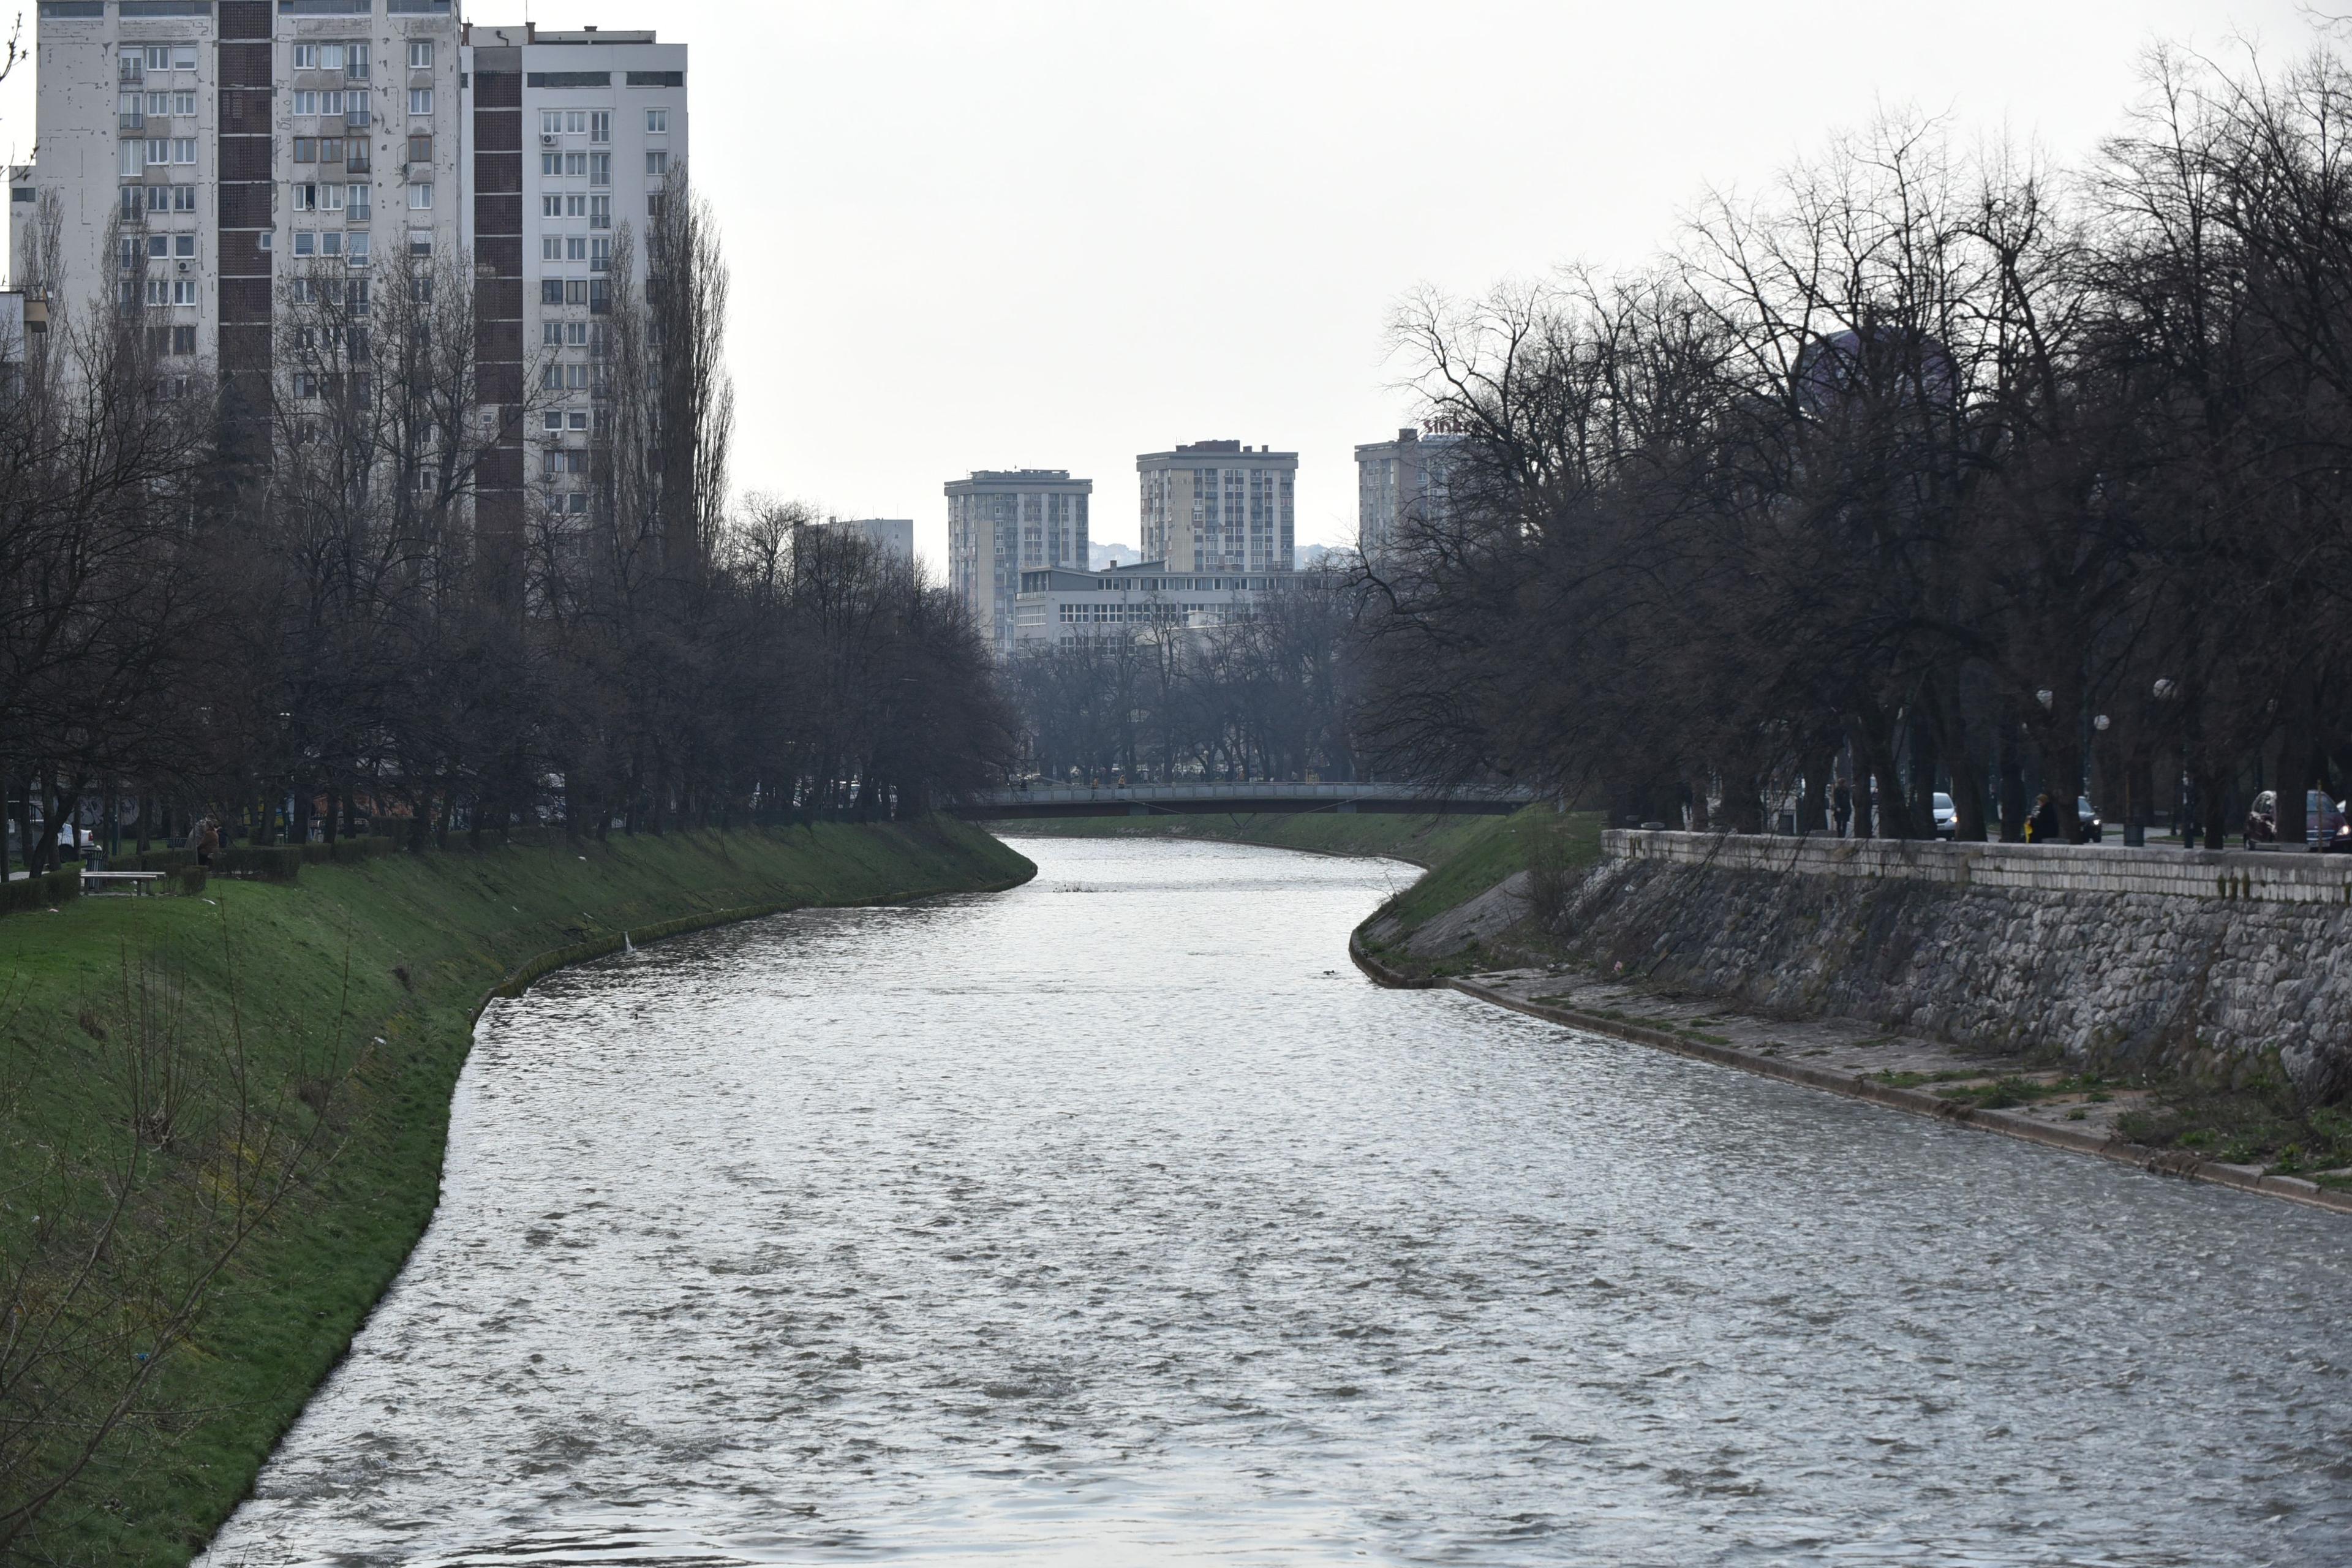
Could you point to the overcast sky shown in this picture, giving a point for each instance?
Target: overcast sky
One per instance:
(1009, 233)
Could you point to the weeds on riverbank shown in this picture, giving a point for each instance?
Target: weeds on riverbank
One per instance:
(2256, 1126)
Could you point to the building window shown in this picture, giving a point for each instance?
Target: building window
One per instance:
(357, 62)
(600, 212)
(361, 200)
(134, 159)
(183, 199)
(130, 67)
(576, 291)
(420, 100)
(183, 245)
(420, 147)
(551, 290)
(551, 334)
(550, 247)
(159, 150)
(600, 254)
(550, 120)
(306, 57)
(306, 198)
(184, 290)
(576, 334)
(420, 197)
(306, 242)
(184, 340)
(184, 57)
(657, 204)
(359, 250)
(305, 104)
(330, 198)
(420, 242)
(420, 55)
(184, 103)
(656, 163)
(158, 57)
(600, 125)
(330, 150)
(575, 248)
(306, 149)
(599, 168)
(657, 122)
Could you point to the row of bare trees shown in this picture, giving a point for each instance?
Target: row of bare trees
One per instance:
(1924, 471)
(345, 600)
(1260, 696)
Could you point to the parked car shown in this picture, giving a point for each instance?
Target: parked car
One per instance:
(2094, 830)
(1948, 816)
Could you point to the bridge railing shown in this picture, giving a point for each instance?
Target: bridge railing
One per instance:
(1057, 794)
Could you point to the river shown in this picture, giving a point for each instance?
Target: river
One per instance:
(1117, 1220)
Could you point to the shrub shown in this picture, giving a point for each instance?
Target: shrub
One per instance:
(188, 880)
(157, 860)
(271, 863)
(42, 892)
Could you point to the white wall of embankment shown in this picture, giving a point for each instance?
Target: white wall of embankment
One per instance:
(2228, 965)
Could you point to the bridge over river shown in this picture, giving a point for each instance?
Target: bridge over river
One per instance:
(1238, 799)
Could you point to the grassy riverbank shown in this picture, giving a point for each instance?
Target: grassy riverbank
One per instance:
(281, 1057)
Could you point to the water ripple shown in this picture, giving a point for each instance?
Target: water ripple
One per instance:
(1132, 1228)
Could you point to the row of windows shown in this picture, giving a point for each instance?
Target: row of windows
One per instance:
(596, 250)
(157, 247)
(139, 200)
(159, 291)
(136, 107)
(595, 123)
(356, 246)
(326, 198)
(597, 210)
(133, 64)
(138, 157)
(572, 335)
(309, 197)
(593, 292)
(596, 167)
(352, 59)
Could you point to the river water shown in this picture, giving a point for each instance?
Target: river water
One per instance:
(1116, 1220)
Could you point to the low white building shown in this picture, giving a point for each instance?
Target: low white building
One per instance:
(1057, 607)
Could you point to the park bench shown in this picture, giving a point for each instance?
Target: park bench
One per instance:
(98, 881)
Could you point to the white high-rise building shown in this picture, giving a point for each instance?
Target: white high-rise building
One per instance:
(891, 536)
(226, 147)
(1219, 506)
(1402, 482)
(573, 137)
(1002, 522)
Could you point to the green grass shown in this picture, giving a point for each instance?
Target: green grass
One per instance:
(381, 966)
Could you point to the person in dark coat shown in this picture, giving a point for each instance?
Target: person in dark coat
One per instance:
(1841, 806)
(2047, 829)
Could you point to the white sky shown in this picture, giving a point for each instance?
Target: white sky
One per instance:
(1056, 233)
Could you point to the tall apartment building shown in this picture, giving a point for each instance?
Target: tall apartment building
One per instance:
(573, 135)
(1219, 506)
(1402, 481)
(892, 536)
(245, 143)
(1002, 522)
(233, 142)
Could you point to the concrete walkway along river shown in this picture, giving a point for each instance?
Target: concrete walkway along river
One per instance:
(1116, 1219)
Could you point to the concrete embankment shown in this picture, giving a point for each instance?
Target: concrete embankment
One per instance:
(344, 1002)
(2189, 1013)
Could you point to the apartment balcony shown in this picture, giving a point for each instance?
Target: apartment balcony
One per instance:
(131, 120)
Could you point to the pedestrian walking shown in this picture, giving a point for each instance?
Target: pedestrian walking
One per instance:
(207, 840)
(1841, 806)
(2044, 828)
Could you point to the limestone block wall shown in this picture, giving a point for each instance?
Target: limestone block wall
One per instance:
(2229, 966)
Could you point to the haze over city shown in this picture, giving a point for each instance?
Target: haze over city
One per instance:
(1058, 235)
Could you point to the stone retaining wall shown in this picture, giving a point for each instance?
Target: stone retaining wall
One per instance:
(2260, 876)
(2231, 967)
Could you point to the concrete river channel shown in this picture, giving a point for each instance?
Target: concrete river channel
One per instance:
(1117, 1220)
